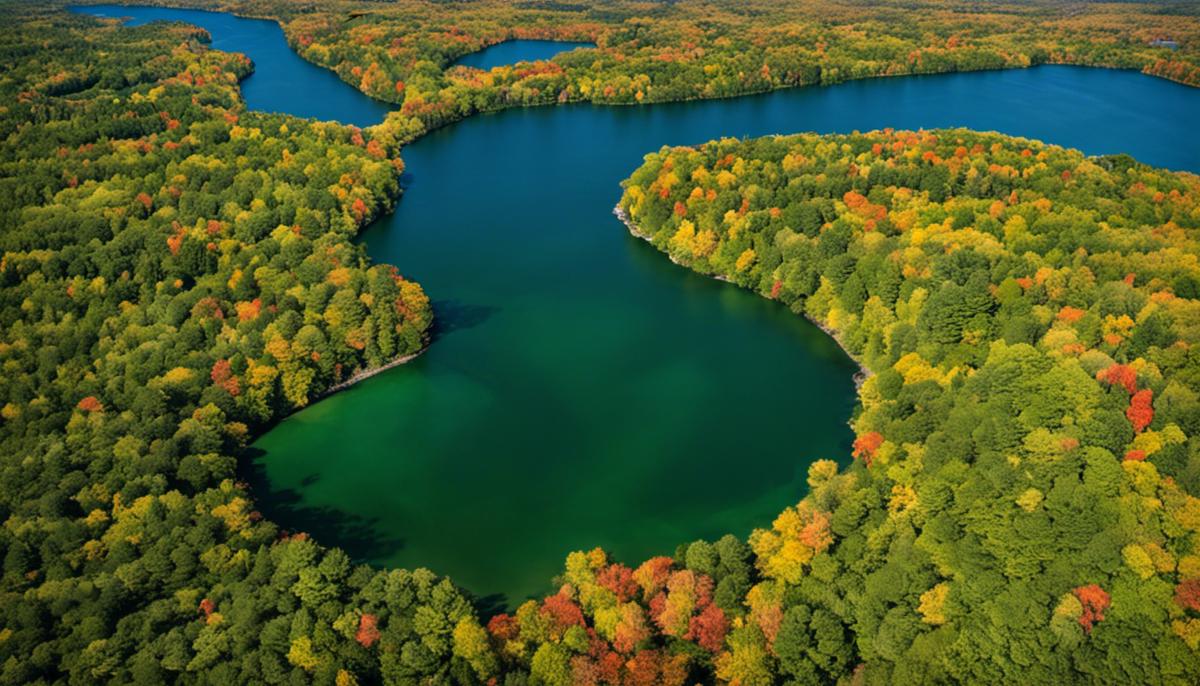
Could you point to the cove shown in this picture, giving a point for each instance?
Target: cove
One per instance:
(581, 390)
(518, 50)
(282, 81)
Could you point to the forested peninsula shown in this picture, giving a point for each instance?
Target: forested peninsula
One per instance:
(1025, 451)
(177, 272)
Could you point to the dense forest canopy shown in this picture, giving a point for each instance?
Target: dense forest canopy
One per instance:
(177, 272)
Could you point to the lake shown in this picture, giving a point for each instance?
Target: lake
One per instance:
(282, 81)
(582, 390)
(519, 50)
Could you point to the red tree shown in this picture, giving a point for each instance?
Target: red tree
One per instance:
(866, 445)
(221, 371)
(222, 375)
(562, 610)
(708, 629)
(90, 404)
(1095, 601)
(1140, 412)
(643, 668)
(1187, 594)
(359, 208)
(368, 632)
(1119, 375)
(619, 579)
(504, 627)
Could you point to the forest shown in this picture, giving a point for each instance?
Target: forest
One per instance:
(1022, 505)
(404, 51)
(178, 272)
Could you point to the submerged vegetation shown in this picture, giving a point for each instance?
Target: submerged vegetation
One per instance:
(177, 273)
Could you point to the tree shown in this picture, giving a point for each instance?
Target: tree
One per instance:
(1141, 411)
(1094, 602)
(368, 632)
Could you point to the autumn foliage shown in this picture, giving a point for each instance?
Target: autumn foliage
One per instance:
(708, 628)
(1140, 412)
(866, 445)
(1187, 594)
(368, 631)
(90, 404)
(144, 217)
(1029, 395)
(1119, 375)
(188, 260)
(1094, 601)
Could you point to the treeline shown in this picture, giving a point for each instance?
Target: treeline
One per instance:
(1022, 505)
(176, 272)
(404, 51)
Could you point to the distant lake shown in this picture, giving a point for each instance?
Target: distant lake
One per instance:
(581, 390)
(282, 80)
(520, 50)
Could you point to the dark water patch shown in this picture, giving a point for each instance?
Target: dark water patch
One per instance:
(452, 315)
(362, 538)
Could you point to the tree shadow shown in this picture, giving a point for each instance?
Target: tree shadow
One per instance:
(490, 605)
(453, 315)
(358, 536)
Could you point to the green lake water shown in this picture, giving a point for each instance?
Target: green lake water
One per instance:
(581, 389)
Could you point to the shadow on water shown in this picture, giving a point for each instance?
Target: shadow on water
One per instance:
(489, 606)
(454, 315)
(742, 302)
(359, 536)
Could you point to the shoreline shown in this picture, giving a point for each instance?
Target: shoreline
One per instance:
(364, 374)
(860, 377)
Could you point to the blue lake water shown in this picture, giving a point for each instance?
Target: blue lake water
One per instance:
(520, 50)
(282, 81)
(581, 389)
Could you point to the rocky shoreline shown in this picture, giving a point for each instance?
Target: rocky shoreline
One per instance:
(367, 373)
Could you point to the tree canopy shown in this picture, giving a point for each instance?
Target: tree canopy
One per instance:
(177, 272)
